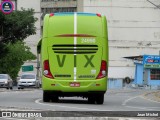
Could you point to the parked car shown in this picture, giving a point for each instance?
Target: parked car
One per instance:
(28, 80)
(6, 81)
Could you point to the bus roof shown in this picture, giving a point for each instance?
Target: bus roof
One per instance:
(72, 13)
(90, 24)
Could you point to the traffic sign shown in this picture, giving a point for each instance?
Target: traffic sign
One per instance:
(27, 68)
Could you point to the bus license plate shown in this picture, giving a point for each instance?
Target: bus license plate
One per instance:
(74, 84)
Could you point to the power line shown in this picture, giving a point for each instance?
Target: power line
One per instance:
(154, 4)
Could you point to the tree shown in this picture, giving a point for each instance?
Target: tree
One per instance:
(17, 26)
(14, 59)
(14, 28)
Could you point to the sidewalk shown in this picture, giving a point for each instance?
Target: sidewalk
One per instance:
(155, 96)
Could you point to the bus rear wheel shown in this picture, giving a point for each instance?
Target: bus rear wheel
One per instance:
(54, 98)
(99, 99)
(46, 96)
(91, 99)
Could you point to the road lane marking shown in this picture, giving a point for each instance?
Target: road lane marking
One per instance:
(38, 102)
(140, 96)
(126, 101)
(136, 107)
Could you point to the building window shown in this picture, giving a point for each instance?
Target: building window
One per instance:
(155, 74)
(58, 9)
(55, 0)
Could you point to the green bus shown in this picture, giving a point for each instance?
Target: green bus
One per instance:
(74, 56)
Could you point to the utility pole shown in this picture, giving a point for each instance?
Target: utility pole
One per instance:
(38, 65)
(15, 5)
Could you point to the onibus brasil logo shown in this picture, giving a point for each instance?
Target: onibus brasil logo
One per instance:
(6, 6)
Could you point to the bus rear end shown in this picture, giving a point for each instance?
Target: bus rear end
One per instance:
(74, 56)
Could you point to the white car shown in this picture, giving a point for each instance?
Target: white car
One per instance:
(6, 81)
(28, 80)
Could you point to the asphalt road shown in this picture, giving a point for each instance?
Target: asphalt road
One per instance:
(115, 100)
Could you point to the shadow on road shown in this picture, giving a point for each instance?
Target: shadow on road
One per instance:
(85, 101)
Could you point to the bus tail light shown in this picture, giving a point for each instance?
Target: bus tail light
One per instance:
(47, 71)
(99, 15)
(103, 70)
(52, 14)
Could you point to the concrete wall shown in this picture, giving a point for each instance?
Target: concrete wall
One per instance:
(80, 5)
(120, 72)
(134, 29)
(115, 83)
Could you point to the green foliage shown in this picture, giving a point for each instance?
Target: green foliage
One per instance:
(17, 54)
(14, 28)
(3, 50)
(17, 26)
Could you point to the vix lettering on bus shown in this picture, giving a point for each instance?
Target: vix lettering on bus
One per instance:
(88, 60)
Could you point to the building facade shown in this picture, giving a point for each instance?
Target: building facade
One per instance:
(133, 29)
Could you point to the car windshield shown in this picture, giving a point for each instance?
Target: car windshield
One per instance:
(3, 76)
(28, 77)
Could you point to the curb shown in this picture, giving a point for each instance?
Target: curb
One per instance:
(19, 90)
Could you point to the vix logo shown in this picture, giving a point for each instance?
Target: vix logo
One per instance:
(88, 60)
(61, 63)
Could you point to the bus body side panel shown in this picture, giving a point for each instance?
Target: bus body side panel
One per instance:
(61, 63)
(90, 25)
(105, 52)
(58, 25)
(88, 65)
(44, 52)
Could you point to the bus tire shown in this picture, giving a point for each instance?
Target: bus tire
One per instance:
(91, 99)
(54, 98)
(100, 99)
(46, 96)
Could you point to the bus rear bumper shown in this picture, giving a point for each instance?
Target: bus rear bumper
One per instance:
(72, 94)
(71, 86)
